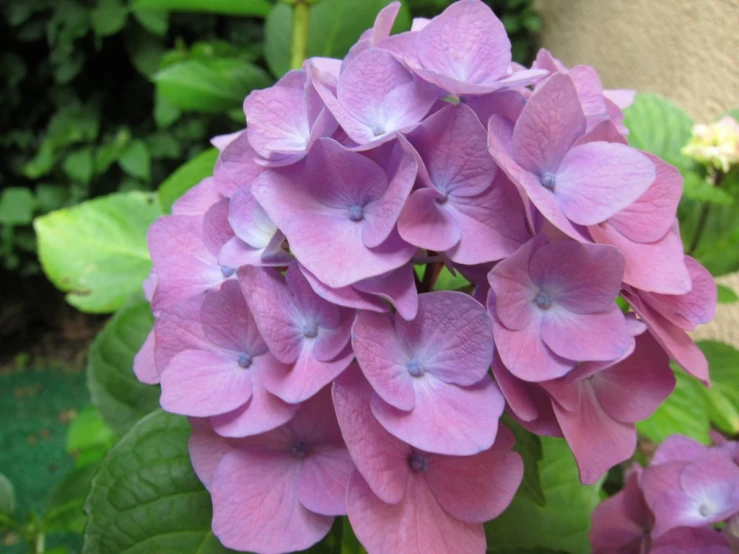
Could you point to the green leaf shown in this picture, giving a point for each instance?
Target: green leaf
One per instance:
(447, 281)
(50, 197)
(79, 165)
(144, 49)
(154, 21)
(563, 523)
(89, 438)
(726, 295)
(16, 206)
(121, 399)
(214, 85)
(64, 510)
(252, 8)
(135, 160)
(96, 251)
(7, 496)
(108, 17)
(528, 446)
(683, 412)
(333, 27)
(146, 497)
(165, 113)
(660, 127)
(723, 396)
(697, 188)
(186, 177)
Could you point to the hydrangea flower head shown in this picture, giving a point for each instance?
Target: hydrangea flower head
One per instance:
(300, 326)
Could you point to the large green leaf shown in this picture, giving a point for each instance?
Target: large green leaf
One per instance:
(96, 251)
(333, 27)
(210, 85)
(258, 8)
(121, 399)
(726, 295)
(185, 177)
(146, 497)
(683, 412)
(660, 127)
(723, 396)
(563, 523)
(108, 17)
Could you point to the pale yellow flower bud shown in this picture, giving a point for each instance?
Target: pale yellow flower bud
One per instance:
(715, 145)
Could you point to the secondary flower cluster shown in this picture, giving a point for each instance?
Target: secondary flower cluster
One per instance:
(323, 377)
(671, 506)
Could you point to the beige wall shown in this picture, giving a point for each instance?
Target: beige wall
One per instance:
(687, 50)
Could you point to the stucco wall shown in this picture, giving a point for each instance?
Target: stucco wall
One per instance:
(686, 50)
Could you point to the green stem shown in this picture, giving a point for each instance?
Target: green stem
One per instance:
(703, 217)
(338, 533)
(299, 47)
(40, 543)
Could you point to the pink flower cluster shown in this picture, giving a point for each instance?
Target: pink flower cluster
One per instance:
(671, 507)
(324, 378)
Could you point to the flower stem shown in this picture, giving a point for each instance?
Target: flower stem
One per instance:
(703, 217)
(299, 47)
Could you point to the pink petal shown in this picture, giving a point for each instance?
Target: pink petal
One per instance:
(415, 524)
(348, 296)
(446, 419)
(144, 364)
(262, 412)
(513, 288)
(492, 225)
(634, 388)
(228, 323)
(551, 121)
(583, 278)
(267, 498)
(425, 222)
(673, 339)
(383, 358)
(652, 214)
(597, 441)
(596, 180)
(678, 448)
(656, 266)
(380, 458)
(301, 380)
(451, 337)
(397, 287)
(466, 42)
(206, 450)
(598, 336)
(200, 384)
(323, 480)
(475, 488)
(270, 301)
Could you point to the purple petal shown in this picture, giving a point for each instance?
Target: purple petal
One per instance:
(551, 121)
(466, 42)
(323, 480)
(144, 363)
(446, 419)
(200, 384)
(267, 498)
(415, 524)
(397, 287)
(598, 179)
(426, 223)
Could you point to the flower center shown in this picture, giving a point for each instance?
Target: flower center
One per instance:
(227, 271)
(299, 450)
(310, 330)
(244, 360)
(415, 368)
(543, 300)
(441, 200)
(378, 130)
(548, 180)
(705, 510)
(418, 463)
(356, 213)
